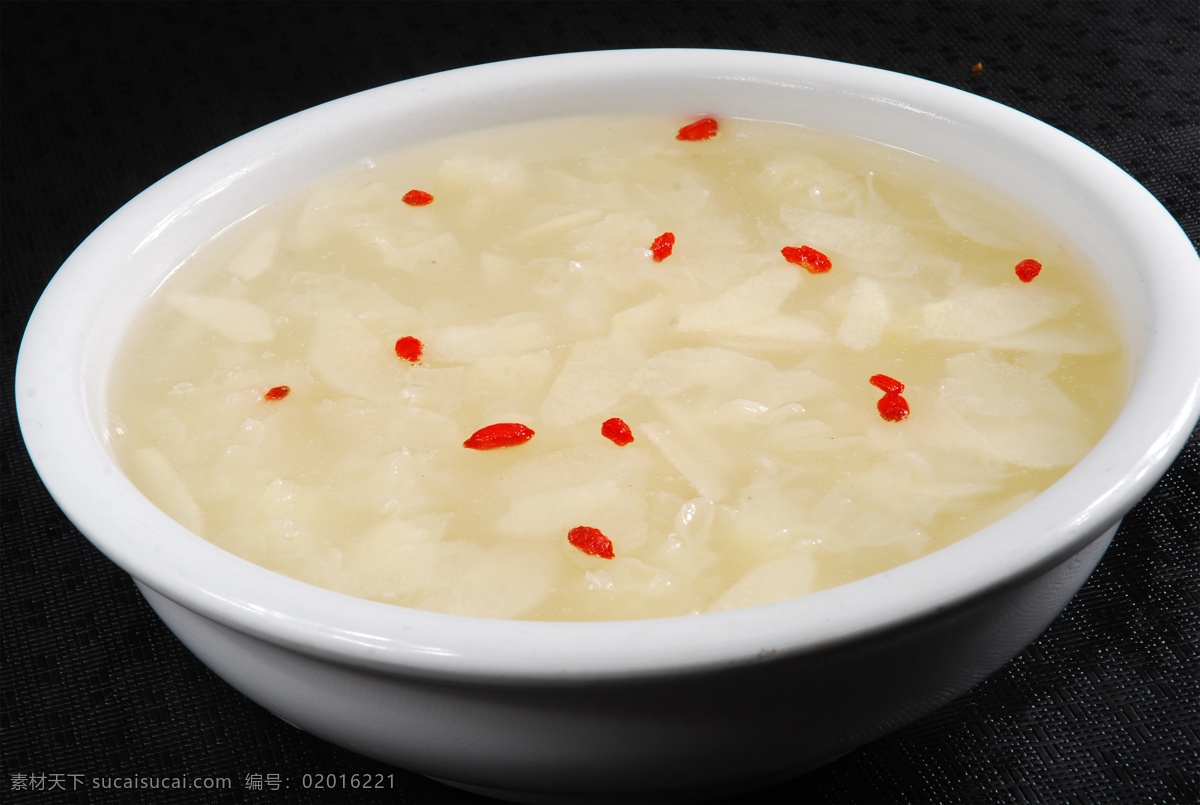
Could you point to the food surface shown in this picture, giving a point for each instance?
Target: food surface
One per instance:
(616, 368)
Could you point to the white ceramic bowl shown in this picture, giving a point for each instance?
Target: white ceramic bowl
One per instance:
(697, 705)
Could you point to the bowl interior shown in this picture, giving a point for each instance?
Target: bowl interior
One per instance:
(1146, 261)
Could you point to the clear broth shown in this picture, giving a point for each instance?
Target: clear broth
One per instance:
(760, 467)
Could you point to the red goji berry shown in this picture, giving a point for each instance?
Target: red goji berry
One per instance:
(502, 434)
(888, 385)
(1028, 269)
(591, 541)
(892, 407)
(409, 348)
(662, 246)
(616, 431)
(277, 393)
(806, 257)
(703, 129)
(417, 198)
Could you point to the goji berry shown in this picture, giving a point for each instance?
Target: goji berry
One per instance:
(591, 541)
(616, 431)
(892, 407)
(703, 129)
(662, 246)
(1028, 269)
(417, 198)
(502, 434)
(409, 348)
(889, 385)
(807, 257)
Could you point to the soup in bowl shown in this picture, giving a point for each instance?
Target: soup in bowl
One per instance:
(662, 418)
(582, 375)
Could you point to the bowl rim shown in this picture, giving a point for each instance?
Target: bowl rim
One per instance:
(58, 413)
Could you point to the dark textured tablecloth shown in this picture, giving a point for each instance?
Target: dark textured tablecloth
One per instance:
(100, 100)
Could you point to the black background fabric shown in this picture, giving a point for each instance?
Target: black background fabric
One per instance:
(100, 100)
